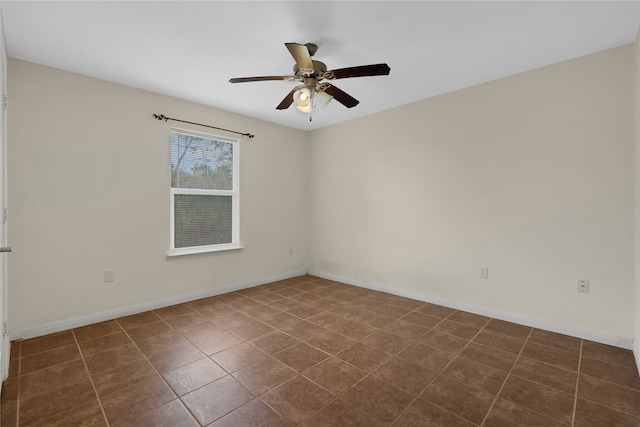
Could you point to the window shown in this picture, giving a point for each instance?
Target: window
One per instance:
(204, 193)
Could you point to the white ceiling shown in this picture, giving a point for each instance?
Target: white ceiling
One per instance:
(190, 49)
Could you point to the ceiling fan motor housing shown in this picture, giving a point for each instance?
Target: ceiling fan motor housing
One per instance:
(319, 68)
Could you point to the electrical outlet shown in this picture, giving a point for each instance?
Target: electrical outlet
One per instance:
(484, 272)
(583, 286)
(108, 276)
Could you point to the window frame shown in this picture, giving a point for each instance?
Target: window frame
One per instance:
(234, 193)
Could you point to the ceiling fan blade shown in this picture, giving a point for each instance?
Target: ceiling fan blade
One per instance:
(361, 71)
(256, 79)
(342, 97)
(287, 101)
(301, 54)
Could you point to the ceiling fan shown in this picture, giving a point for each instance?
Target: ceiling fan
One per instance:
(315, 90)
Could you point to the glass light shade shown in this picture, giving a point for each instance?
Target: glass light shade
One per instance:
(303, 100)
(322, 99)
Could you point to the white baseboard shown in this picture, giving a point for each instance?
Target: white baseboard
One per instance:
(90, 319)
(544, 324)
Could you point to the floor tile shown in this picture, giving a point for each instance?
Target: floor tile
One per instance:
(445, 342)
(252, 329)
(378, 398)
(335, 375)
(552, 356)
(617, 374)
(40, 407)
(405, 375)
(161, 342)
(407, 303)
(427, 357)
(330, 342)
(406, 329)
(508, 328)
(213, 343)
(386, 341)
(185, 320)
(113, 358)
(297, 399)
(216, 399)
(254, 414)
(424, 320)
(326, 319)
(97, 330)
(264, 375)
(422, 413)
(539, 398)
(305, 311)
(137, 320)
(175, 356)
(173, 311)
(274, 342)
(172, 414)
(103, 343)
(607, 353)
(505, 413)
(148, 330)
(238, 356)
(455, 328)
(364, 356)
(301, 357)
(355, 330)
(123, 375)
(48, 358)
(49, 379)
(467, 402)
(555, 340)
(489, 356)
(85, 415)
(614, 396)
(46, 343)
(471, 319)
(9, 414)
(590, 414)
(548, 375)
(131, 401)
(262, 311)
(303, 330)
(391, 311)
(312, 349)
(339, 414)
(435, 310)
(475, 374)
(194, 375)
(499, 341)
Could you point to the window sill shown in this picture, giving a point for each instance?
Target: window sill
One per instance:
(203, 250)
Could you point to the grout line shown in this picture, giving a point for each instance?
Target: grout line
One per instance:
(575, 398)
(160, 375)
(443, 369)
(95, 391)
(506, 378)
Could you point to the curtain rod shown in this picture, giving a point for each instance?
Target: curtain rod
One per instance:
(165, 118)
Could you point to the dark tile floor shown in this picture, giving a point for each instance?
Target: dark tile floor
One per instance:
(313, 352)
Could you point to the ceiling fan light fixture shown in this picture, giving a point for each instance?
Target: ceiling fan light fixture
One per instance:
(322, 99)
(303, 99)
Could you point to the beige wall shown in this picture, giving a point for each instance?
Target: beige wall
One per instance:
(88, 191)
(636, 58)
(531, 176)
